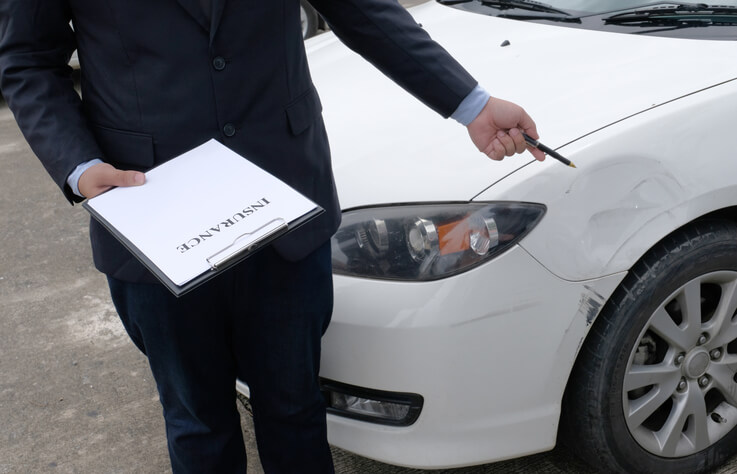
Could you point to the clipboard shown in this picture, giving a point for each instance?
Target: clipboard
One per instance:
(199, 214)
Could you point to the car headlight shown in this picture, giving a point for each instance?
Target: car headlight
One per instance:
(430, 241)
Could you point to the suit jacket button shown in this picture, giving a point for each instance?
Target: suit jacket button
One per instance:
(229, 130)
(218, 63)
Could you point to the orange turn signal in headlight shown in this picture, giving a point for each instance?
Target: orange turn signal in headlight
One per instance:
(453, 237)
(474, 232)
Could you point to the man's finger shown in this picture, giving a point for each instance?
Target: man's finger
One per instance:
(495, 150)
(527, 125)
(519, 140)
(103, 176)
(537, 153)
(507, 142)
(126, 178)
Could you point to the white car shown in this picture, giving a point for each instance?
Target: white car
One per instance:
(311, 20)
(488, 310)
(74, 61)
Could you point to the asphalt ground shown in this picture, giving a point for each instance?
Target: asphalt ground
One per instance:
(76, 396)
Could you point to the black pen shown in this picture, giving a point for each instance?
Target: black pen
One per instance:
(548, 151)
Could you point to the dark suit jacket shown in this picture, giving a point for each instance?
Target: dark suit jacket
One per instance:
(158, 78)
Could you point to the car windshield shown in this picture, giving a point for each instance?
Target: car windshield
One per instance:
(594, 7)
(603, 6)
(655, 17)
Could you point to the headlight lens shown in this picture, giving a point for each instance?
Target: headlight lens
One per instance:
(428, 242)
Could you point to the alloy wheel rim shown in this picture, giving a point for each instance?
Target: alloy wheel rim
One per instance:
(680, 389)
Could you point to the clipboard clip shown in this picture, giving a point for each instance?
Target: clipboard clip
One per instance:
(263, 233)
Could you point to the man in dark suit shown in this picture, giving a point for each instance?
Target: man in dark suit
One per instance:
(162, 76)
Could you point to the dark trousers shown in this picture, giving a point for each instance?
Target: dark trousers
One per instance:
(260, 321)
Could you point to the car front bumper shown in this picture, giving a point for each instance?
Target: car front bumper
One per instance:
(489, 350)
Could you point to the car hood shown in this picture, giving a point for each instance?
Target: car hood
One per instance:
(389, 148)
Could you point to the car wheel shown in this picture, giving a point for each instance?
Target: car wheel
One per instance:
(654, 387)
(310, 19)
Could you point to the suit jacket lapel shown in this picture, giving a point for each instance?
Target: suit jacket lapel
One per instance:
(194, 8)
(217, 13)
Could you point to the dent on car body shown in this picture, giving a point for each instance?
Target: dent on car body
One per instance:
(630, 190)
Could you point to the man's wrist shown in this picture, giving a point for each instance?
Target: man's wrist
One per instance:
(471, 106)
(73, 178)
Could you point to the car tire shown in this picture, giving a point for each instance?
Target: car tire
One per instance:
(310, 19)
(654, 387)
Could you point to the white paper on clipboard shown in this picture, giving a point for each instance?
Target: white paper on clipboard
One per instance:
(199, 208)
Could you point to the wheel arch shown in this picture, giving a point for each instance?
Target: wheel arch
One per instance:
(717, 230)
(727, 214)
(594, 302)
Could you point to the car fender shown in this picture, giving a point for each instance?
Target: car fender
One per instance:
(637, 181)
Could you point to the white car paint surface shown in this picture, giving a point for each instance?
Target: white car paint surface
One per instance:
(490, 349)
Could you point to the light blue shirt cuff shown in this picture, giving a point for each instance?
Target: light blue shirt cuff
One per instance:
(73, 178)
(471, 106)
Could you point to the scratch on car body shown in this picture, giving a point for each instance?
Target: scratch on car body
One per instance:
(590, 304)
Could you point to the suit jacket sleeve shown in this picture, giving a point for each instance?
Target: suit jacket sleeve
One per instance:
(36, 43)
(384, 33)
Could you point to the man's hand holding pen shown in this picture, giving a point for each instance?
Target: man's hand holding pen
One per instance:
(497, 130)
(503, 129)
